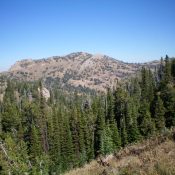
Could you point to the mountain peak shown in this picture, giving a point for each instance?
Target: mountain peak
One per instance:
(76, 70)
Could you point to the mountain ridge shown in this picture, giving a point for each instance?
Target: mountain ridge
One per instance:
(78, 69)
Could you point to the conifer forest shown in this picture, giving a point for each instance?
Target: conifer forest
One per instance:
(41, 137)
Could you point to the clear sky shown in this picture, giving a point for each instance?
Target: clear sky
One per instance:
(129, 30)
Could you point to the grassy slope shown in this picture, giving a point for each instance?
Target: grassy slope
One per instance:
(155, 156)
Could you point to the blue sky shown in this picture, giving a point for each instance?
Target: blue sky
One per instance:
(129, 30)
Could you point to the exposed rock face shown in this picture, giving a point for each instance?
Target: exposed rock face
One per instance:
(3, 86)
(76, 70)
(45, 93)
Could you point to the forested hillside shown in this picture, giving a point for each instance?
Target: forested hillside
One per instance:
(39, 136)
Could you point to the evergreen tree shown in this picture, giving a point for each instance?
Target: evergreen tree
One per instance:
(13, 155)
(10, 117)
(144, 84)
(135, 93)
(55, 145)
(159, 113)
(9, 95)
(160, 72)
(109, 106)
(99, 132)
(123, 132)
(151, 89)
(145, 122)
(108, 146)
(168, 96)
(88, 132)
(66, 144)
(75, 136)
(81, 132)
(167, 72)
(131, 121)
(147, 85)
(115, 135)
(35, 144)
(120, 98)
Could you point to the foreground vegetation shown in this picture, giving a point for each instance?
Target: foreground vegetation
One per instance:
(66, 131)
(154, 156)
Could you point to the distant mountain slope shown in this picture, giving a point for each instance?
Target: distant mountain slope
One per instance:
(76, 70)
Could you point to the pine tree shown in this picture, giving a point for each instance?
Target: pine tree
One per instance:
(88, 129)
(99, 132)
(14, 155)
(167, 93)
(167, 72)
(109, 106)
(159, 113)
(160, 71)
(115, 135)
(151, 89)
(120, 98)
(81, 132)
(168, 96)
(75, 135)
(108, 146)
(9, 92)
(145, 122)
(10, 117)
(144, 84)
(35, 144)
(131, 121)
(136, 90)
(66, 144)
(55, 145)
(147, 85)
(123, 132)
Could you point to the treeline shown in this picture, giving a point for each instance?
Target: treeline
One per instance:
(66, 131)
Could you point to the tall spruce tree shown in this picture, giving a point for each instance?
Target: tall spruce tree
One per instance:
(55, 145)
(167, 71)
(107, 140)
(115, 134)
(120, 98)
(133, 133)
(99, 131)
(35, 144)
(109, 106)
(146, 124)
(123, 132)
(159, 112)
(66, 145)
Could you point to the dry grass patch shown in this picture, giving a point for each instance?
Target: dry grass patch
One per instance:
(93, 168)
(155, 156)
